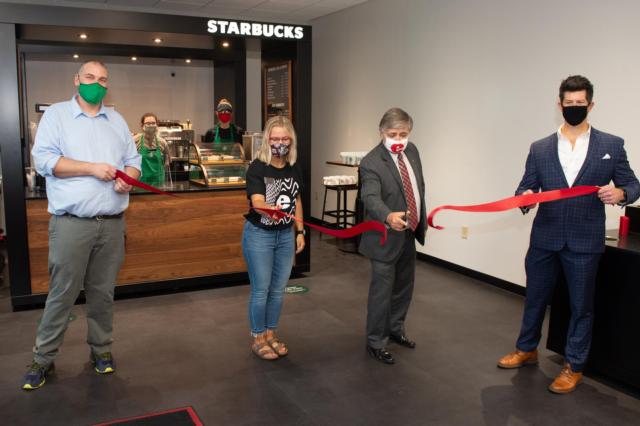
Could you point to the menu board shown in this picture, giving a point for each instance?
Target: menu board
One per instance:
(277, 89)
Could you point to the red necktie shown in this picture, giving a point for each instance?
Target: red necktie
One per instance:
(408, 193)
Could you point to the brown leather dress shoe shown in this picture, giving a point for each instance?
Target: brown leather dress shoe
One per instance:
(566, 381)
(518, 359)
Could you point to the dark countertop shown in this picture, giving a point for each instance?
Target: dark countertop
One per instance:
(176, 187)
(629, 243)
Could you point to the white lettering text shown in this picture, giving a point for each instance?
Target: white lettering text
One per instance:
(245, 28)
(211, 26)
(215, 26)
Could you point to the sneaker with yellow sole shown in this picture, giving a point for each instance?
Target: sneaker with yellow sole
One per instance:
(36, 375)
(103, 363)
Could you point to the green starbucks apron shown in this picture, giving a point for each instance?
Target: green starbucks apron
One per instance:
(228, 142)
(152, 164)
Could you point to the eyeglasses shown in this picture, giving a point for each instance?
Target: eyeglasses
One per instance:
(285, 139)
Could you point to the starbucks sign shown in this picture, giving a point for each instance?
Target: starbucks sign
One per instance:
(255, 29)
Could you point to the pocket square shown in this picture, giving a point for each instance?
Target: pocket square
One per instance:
(606, 157)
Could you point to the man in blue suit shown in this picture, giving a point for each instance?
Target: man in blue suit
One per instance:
(569, 235)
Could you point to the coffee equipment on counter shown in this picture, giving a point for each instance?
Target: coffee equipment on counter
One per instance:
(179, 136)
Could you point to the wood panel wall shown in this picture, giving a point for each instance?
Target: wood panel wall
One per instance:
(196, 235)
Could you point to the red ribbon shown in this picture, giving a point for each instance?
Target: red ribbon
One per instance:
(370, 225)
(135, 182)
(339, 233)
(518, 201)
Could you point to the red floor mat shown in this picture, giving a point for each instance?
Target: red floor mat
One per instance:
(185, 416)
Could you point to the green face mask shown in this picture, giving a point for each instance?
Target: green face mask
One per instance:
(92, 93)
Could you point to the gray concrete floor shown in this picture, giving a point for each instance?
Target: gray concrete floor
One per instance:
(192, 348)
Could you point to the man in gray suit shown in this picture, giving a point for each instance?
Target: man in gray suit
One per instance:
(393, 193)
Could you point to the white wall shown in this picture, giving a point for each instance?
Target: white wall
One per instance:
(480, 80)
(134, 89)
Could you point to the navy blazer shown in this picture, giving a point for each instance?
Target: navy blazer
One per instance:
(578, 222)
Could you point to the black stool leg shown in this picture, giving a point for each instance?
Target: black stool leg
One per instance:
(338, 208)
(344, 206)
(324, 209)
(324, 204)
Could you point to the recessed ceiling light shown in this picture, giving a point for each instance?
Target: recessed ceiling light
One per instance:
(188, 61)
(225, 44)
(134, 58)
(76, 56)
(157, 40)
(83, 36)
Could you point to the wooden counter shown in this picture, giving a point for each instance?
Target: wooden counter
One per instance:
(196, 235)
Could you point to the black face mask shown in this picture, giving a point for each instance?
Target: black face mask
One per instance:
(574, 115)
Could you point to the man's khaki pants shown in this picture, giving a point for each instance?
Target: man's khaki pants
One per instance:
(83, 254)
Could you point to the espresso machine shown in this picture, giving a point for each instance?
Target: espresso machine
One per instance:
(179, 136)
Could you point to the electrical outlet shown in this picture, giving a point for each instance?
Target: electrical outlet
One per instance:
(464, 233)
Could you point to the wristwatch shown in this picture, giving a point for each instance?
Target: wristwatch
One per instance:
(301, 232)
(624, 200)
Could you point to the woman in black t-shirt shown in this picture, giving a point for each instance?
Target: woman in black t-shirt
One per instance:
(270, 242)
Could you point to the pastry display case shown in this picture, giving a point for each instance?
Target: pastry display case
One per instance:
(217, 165)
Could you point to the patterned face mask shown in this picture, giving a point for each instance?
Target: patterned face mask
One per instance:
(394, 145)
(279, 150)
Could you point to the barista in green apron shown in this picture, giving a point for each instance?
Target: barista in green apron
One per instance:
(153, 150)
(225, 133)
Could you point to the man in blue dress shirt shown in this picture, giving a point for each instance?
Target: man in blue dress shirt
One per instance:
(79, 146)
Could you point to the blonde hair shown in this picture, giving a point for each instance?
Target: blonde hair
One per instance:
(264, 154)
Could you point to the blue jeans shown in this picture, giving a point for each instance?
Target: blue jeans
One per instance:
(269, 256)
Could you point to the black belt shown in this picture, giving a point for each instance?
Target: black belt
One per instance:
(99, 217)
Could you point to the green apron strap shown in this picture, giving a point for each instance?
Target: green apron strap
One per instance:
(232, 132)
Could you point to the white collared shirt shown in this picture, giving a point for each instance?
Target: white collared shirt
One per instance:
(412, 178)
(572, 159)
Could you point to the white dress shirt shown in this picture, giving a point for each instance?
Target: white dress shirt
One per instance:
(572, 158)
(412, 178)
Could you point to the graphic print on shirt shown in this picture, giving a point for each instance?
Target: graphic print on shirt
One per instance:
(282, 192)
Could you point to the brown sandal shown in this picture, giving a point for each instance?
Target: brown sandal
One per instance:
(264, 351)
(279, 347)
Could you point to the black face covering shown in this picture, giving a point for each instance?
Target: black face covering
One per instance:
(574, 115)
